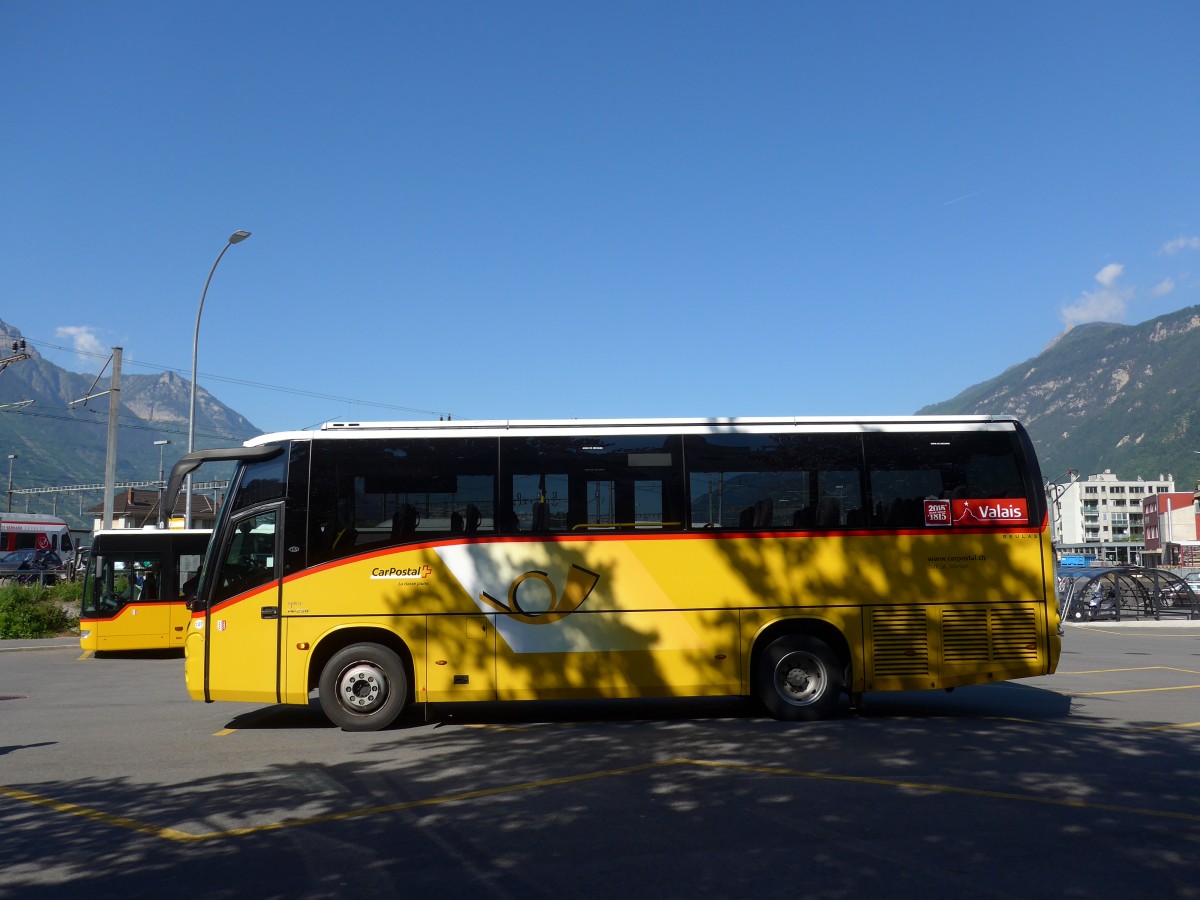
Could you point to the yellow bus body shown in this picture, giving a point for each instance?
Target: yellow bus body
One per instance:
(663, 615)
(138, 626)
(117, 613)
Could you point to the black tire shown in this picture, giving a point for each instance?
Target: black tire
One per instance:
(798, 678)
(363, 688)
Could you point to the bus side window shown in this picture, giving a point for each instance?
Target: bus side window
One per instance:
(909, 468)
(594, 483)
(764, 481)
(373, 494)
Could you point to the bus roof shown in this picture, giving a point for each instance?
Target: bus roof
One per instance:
(517, 427)
(149, 530)
(7, 518)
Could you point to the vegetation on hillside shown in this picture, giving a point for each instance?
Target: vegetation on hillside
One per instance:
(1106, 396)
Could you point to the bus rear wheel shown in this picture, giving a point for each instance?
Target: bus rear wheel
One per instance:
(363, 687)
(798, 678)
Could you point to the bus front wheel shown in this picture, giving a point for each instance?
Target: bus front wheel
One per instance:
(363, 687)
(798, 678)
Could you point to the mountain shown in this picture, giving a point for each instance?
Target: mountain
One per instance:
(1106, 396)
(57, 445)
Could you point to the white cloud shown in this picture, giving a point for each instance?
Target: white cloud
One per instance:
(1108, 304)
(1109, 274)
(87, 345)
(1164, 287)
(1170, 248)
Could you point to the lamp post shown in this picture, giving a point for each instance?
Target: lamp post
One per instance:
(236, 238)
(161, 445)
(11, 457)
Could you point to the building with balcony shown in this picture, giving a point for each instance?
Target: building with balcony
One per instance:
(1103, 516)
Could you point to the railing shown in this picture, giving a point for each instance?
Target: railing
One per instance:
(1129, 592)
(43, 577)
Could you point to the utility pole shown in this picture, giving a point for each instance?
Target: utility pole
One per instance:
(18, 354)
(11, 457)
(114, 412)
(110, 455)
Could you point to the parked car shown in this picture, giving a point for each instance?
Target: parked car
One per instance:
(1192, 579)
(28, 565)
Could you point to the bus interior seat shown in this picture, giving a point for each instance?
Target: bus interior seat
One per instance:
(829, 512)
(474, 517)
(804, 517)
(405, 521)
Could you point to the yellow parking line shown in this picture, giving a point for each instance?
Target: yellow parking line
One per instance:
(223, 732)
(1181, 687)
(87, 654)
(1086, 723)
(1132, 669)
(95, 815)
(178, 836)
(1190, 634)
(953, 789)
(174, 834)
(1166, 727)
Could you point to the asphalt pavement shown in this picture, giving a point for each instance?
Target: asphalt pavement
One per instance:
(1079, 784)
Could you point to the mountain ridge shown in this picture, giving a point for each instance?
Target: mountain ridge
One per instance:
(1105, 396)
(58, 444)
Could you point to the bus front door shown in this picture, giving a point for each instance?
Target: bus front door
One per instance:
(243, 622)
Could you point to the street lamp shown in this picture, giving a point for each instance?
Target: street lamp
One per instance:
(161, 445)
(11, 457)
(236, 238)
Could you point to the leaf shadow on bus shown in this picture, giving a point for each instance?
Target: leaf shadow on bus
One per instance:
(772, 577)
(827, 581)
(570, 620)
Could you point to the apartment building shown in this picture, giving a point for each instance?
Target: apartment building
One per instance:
(1170, 522)
(1103, 516)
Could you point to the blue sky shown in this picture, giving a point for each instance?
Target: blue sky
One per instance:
(556, 210)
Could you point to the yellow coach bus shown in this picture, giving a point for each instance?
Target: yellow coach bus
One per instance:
(793, 560)
(137, 586)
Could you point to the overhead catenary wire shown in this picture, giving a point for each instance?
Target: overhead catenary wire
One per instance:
(244, 382)
(131, 423)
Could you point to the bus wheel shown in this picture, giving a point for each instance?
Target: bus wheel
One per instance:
(798, 678)
(363, 687)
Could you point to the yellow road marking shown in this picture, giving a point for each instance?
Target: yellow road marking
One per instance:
(1190, 634)
(1165, 727)
(1181, 687)
(1083, 723)
(178, 836)
(1132, 669)
(223, 732)
(87, 654)
(952, 789)
(95, 815)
